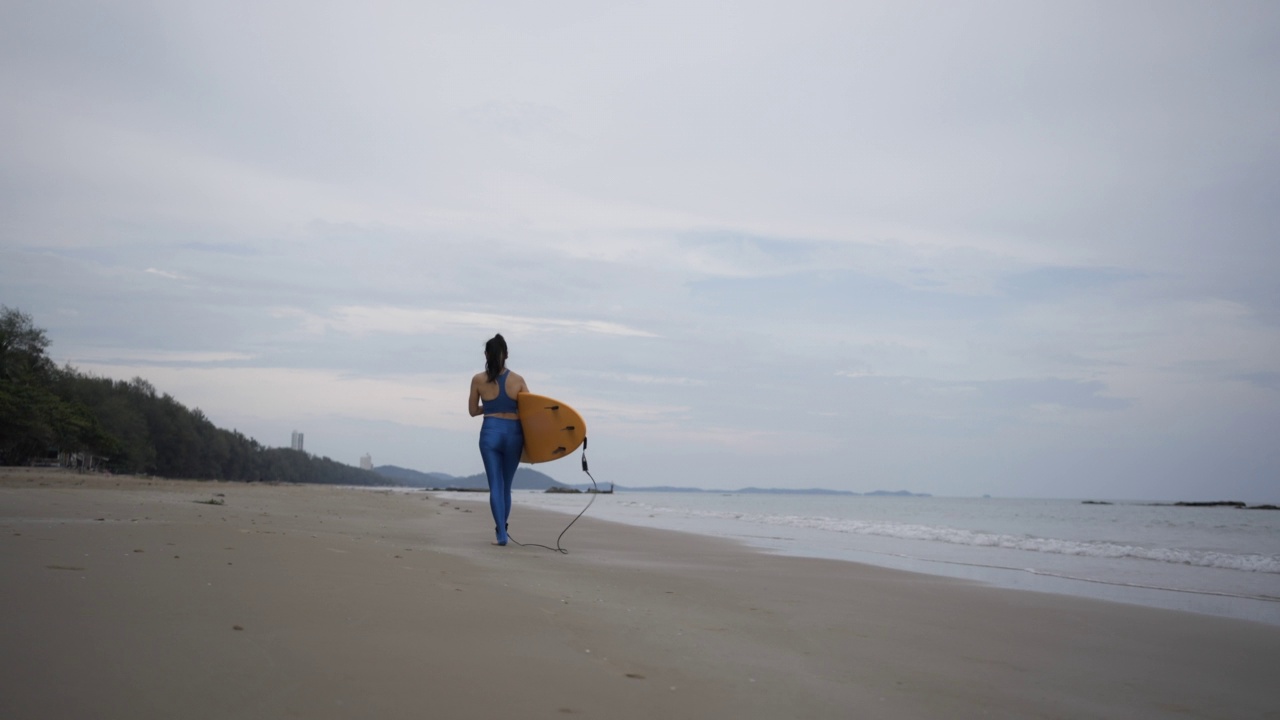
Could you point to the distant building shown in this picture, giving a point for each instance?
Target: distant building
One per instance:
(296, 441)
(366, 462)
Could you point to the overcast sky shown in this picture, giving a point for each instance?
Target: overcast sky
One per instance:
(1018, 249)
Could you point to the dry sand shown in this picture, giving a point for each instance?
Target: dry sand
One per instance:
(130, 598)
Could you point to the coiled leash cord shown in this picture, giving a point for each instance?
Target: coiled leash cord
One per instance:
(596, 491)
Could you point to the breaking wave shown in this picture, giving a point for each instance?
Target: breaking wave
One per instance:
(1030, 543)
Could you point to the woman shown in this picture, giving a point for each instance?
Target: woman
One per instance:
(493, 393)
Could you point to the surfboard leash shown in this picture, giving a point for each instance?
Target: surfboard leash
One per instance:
(595, 491)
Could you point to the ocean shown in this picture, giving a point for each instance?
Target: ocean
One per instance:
(1213, 560)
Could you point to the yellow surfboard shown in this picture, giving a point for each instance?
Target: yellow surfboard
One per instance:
(552, 429)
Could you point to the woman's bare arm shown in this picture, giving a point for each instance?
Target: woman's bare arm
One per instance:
(473, 402)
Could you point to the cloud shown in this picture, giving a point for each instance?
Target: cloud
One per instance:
(1049, 226)
(124, 356)
(1056, 282)
(639, 379)
(516, 120)
(260, 394)
(167, 274)
(362, 320)
(1267, 379)
(985, 397)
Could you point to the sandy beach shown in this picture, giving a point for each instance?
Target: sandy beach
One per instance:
(137, 598)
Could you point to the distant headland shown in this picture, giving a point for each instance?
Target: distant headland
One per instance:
(1187, 503)
(529, 479)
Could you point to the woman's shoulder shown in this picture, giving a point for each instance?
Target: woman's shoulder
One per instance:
(516, 380)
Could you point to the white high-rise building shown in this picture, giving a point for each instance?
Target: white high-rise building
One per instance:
(296, 441)
(366, 462)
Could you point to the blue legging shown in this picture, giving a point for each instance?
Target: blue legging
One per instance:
(501, 442)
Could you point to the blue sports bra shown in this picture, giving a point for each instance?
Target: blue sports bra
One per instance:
(503, 403)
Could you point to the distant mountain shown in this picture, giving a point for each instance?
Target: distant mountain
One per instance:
(773, 491)
(525, 479)
(788, 491)
(413, 478)
(667, 489)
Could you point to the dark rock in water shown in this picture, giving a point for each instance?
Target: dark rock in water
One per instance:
(1219, 503)
(562, 490)
(1095, 502)
(1263, 507)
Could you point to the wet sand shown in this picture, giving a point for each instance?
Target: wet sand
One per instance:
(134, 598)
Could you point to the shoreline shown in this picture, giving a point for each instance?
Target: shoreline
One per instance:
(133, 598)
(1003, 568)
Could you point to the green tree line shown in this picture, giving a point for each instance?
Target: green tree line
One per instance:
(46, 410)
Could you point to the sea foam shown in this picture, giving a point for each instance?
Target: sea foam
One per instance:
(1250, 562)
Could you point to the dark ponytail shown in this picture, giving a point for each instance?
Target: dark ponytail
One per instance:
(495, 357)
